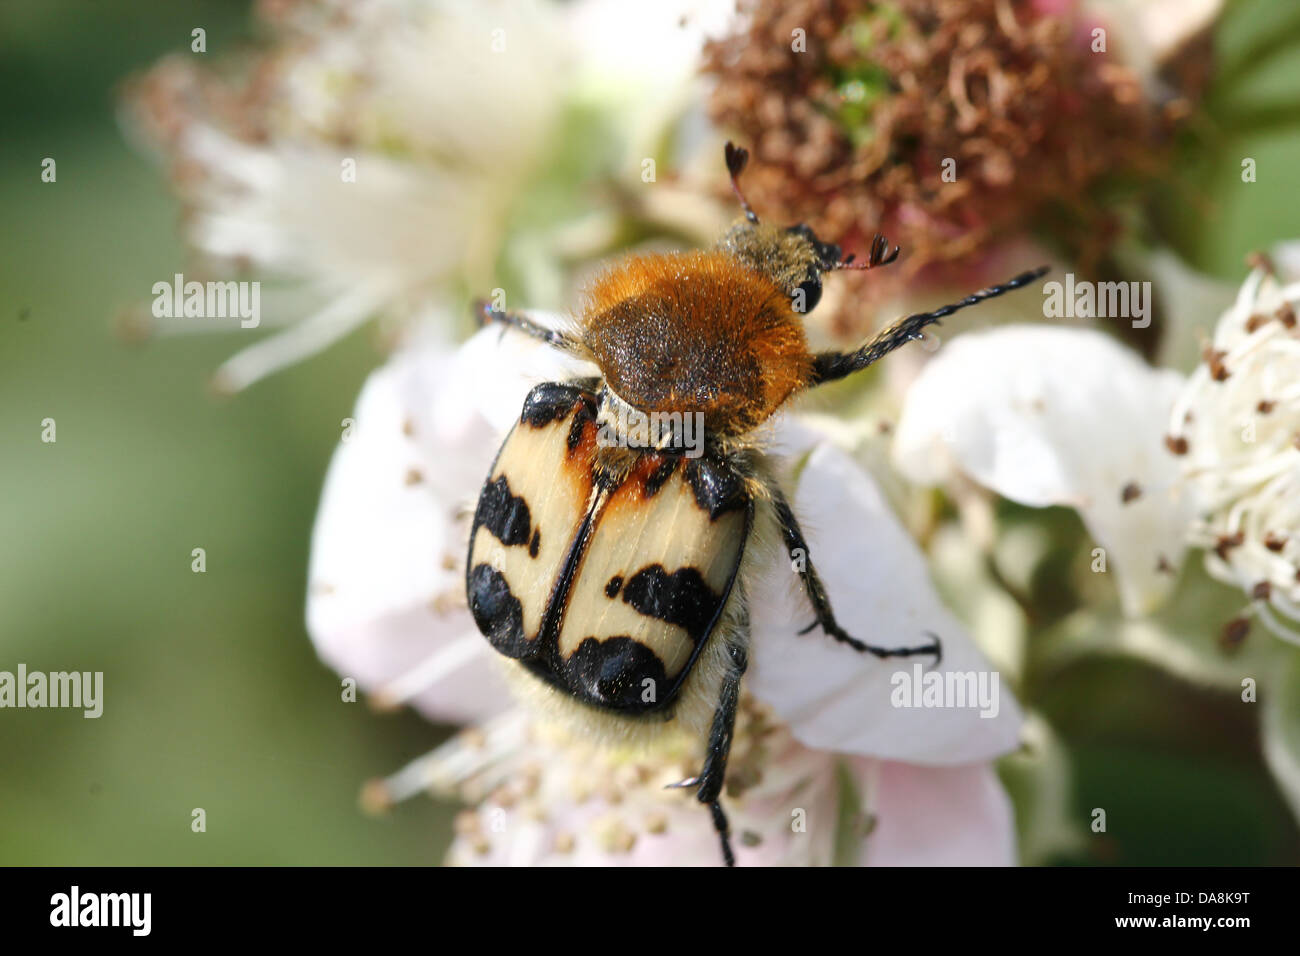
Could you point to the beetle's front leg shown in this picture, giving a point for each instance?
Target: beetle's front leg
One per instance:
(488, 314)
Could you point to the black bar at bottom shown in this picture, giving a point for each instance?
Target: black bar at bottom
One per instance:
(370, 905)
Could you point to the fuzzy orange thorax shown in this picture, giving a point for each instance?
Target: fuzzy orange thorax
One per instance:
(696, 332)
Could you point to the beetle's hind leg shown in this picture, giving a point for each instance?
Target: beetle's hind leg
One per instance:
(488, 314)
(797, 546)
(714, 772)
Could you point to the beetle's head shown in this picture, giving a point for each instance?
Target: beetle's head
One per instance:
(793, 257)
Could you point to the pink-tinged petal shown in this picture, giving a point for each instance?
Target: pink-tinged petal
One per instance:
(1058, 416)
(833, 697)
(386, 592)
(386, 602)
(937, 816)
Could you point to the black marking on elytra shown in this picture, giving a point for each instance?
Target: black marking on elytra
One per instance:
(535, 544)
(682, 598)
(718, 489)
(612, 672)
(503, 514)
(496, 610)
(613, 586)
(655, 480)
(576, 428)
(553, 400)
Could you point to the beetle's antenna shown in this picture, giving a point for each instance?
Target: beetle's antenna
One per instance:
(880, 255)
(737, 157)
(829, 366)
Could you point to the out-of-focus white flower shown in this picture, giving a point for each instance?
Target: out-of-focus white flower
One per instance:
(1058, 416)
(373, 154)
(386, 606)
(1286, 260)
(1236, 431)
(640, 62)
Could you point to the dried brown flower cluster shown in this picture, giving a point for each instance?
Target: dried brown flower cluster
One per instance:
(851, 122)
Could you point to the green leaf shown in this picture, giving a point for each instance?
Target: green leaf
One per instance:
(1280, 726)
(1040, 781)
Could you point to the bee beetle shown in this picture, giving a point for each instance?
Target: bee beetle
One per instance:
(609, 556)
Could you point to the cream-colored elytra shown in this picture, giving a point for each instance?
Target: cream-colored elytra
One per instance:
(635, 532)
(687, 721)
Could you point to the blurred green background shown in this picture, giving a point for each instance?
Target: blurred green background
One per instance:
(213, 695)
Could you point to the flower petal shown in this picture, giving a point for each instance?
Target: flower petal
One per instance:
(1057, 416)
(836, 698)
(937, 816)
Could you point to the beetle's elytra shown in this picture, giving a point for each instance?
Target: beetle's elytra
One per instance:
(617, 628)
